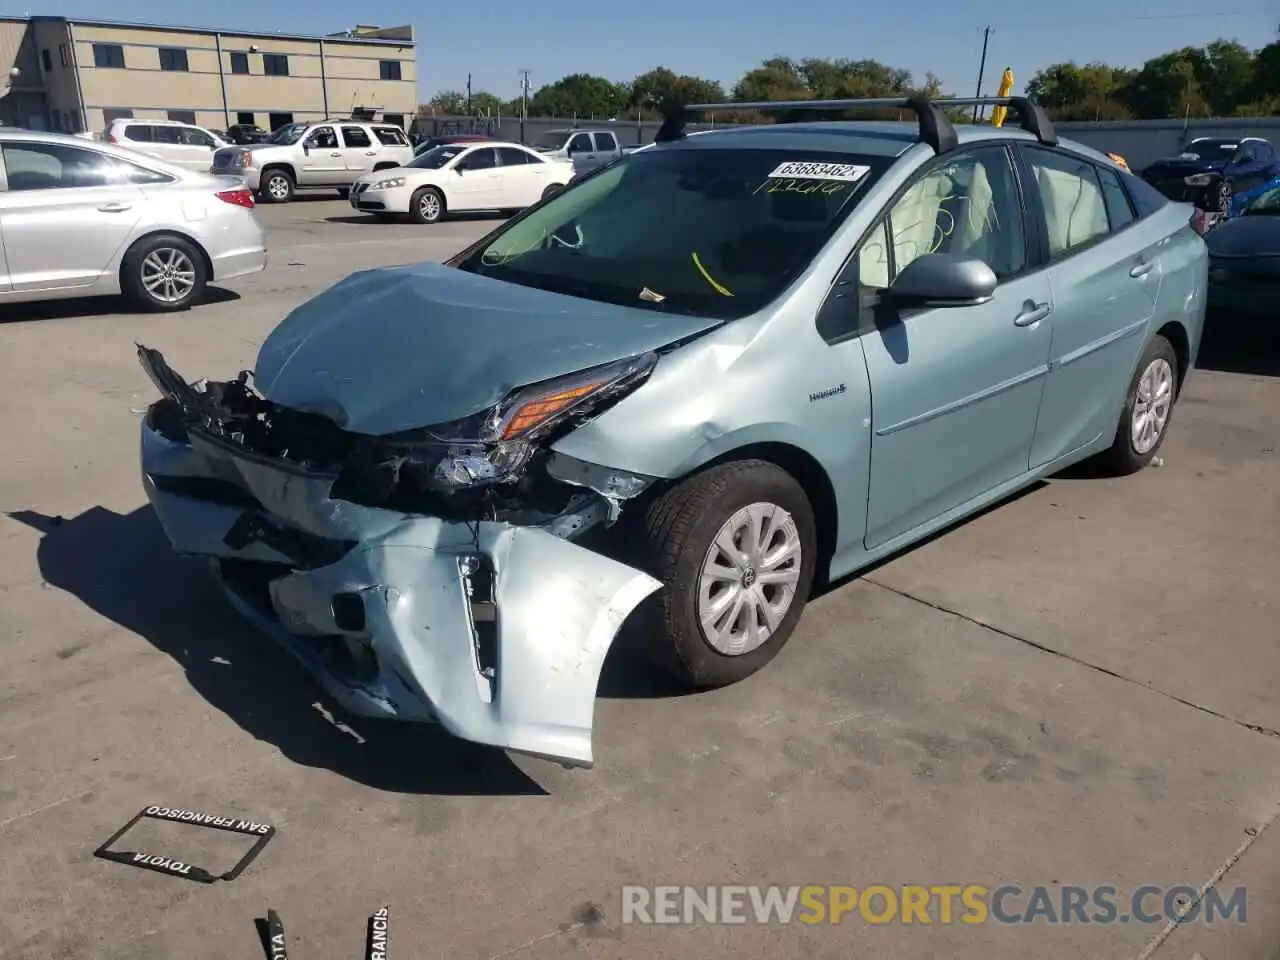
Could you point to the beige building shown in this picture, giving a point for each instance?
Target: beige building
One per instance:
(75, 75)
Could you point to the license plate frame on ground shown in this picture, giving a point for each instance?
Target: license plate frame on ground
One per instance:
(173, 867)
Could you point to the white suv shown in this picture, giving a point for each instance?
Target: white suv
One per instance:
(326, 155)
(179, 143)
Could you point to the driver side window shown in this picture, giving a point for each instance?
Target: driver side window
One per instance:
(967, 207)
(323, 138)
(482, 159)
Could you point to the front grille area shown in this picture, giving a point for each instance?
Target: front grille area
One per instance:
(372, 205)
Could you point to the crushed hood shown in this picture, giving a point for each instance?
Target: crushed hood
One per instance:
(399, 348)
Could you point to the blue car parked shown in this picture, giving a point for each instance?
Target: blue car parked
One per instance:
(1210, 171)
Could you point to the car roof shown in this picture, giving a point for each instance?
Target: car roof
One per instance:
(12, 135)
(154, 122)
(866, 138)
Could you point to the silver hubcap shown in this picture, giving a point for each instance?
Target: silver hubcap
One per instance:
(430, 206)
(1151, 407)
(168, 275)
(278, 187)
(749, 578)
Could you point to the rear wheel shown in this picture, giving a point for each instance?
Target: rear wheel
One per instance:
(426, 205)
(164, 274)
(736, 550)
(277, 186)
(552, 190)
(1148, 408)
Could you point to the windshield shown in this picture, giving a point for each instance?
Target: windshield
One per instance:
(553, 140)
(436, 157)
(288, 134)
(1267, 202)
(713, 233)
(1211, 149)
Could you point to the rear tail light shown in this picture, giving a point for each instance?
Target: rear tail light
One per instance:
(111, 138)
(240, 198)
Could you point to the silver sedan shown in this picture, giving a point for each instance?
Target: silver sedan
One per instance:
(80, 218)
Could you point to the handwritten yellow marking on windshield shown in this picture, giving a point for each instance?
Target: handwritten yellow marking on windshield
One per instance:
(718, 287)
(788, 185)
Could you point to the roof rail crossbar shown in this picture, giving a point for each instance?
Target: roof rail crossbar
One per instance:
(935, 127)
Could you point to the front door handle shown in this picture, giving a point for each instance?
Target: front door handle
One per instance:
(371, 153)
(1140, 270)
(1031, 314)
(115, 207)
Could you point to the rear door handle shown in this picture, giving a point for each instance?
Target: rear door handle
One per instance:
(1140, 270)
(335, 154)
(1032, 315)
(115, 207)
(371, 153)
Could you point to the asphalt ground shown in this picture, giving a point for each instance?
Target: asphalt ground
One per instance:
(1074, 689)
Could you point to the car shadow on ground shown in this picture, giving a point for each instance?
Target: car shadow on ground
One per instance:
(97, 307)
(1236, 344)
(368, 219)
(122, 567)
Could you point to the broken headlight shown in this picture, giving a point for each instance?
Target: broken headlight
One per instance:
(495, 445)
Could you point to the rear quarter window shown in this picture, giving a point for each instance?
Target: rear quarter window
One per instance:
(391, 137)
(1146, 198)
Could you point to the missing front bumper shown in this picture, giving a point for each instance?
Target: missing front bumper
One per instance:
(382, 607)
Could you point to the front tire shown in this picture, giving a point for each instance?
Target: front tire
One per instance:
(1148, 410)
(277, 186)
(736, 549)
(426, 205)
(164, 274)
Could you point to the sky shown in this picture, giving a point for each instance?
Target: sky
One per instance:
(492, 40)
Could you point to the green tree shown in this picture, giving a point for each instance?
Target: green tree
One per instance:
(661, 88)
(580, 95)
(776, 79)
(1170, 85)
(454, 103)
(1227, 77)
(1094, 91)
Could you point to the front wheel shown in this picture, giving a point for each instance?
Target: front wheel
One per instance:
(736, 549)
(426, 205)
(164, 274)
(1148, 408)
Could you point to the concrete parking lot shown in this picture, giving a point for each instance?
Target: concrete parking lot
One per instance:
(1077, 688)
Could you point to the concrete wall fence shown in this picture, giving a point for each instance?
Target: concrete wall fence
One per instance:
(1138, 141)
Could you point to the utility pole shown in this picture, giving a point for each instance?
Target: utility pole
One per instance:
(982, 68)
(469, 88)
(524, 101)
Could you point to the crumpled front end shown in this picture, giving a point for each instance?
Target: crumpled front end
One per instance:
(477, 611)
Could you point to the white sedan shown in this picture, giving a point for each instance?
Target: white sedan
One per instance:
(462, 176)
(82, 218)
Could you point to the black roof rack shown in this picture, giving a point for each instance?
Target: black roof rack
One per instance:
(935, 127)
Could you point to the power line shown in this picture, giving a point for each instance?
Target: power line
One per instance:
(1201, 15)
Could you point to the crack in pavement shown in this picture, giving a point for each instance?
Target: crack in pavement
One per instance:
(968, 618)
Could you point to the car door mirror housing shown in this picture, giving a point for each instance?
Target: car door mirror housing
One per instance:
(943, 280)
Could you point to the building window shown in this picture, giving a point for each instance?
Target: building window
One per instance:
(183, 116)
(389, 69)
(275, 65)
(173, 58)
(110, 115)
(108, 55)
(46, 60)
(245, 119)
(395, 119)
(277, 120)
(62, 55)
(239, 63)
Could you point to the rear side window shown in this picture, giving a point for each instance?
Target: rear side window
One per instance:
(356, 137)
(140, 133)
(1146, 198)
(391, 137)
(1075, 213)
(1118, 210)
(605, 142)
(167, 134)
(511, 157)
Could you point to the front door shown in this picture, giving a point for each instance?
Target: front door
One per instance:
(476, 183)
(323, 163)
(582, 152)
(358, 151)
(1105, 270)
(955, 390)
(4, 263)
(55, 192)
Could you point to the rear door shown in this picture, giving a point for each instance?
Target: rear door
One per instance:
(606, 145)
(64, 215)
(358, 150)
(1104, 264)
(197, 148)
(522, 177)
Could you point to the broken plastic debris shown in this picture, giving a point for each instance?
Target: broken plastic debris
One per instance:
(1157, 461)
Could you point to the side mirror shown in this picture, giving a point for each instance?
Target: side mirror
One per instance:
(307, 145)
(943, 280)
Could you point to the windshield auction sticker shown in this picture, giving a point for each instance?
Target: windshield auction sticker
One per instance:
(801, 170)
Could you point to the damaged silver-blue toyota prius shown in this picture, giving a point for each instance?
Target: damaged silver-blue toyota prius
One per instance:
(686, 387)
